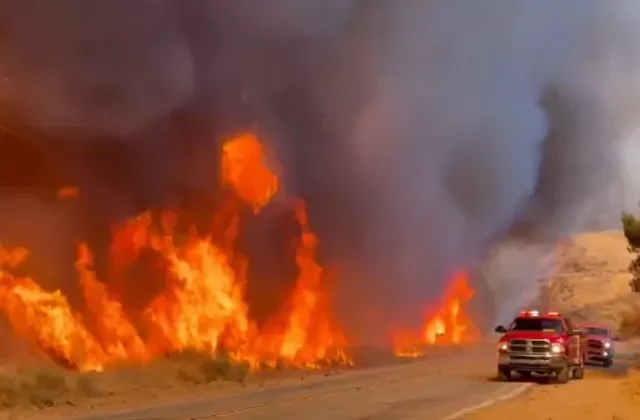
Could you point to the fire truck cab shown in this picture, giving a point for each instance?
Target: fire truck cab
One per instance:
(541, 343)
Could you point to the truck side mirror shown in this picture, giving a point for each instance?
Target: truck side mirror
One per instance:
(577, 331)
(616, 338)
(500, 329)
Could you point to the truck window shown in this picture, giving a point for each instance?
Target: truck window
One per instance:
(597, 331)
(537, 324)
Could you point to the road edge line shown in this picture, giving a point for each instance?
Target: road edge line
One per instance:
(460, 413)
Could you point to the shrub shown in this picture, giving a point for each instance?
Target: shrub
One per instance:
(199, 368)
(631, 227)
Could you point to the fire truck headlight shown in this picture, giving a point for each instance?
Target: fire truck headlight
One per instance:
(607, 345)
(557, 348)
(503, 347)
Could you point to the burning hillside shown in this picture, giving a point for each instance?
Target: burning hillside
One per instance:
(202, 306)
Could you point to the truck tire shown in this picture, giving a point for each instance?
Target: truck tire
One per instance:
(578, 372)
(607, 363)
(525, 375)
(504, 374)
(563, 375)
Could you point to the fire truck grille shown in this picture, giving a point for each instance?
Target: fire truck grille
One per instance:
(595, 344)
(529, 346)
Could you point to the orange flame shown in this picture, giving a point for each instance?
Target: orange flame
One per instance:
(309, 332)
(118, 335)
(202, 306)
(243, 169)
(46, 317)
(451, 324)
(68, 192)
(448, 324)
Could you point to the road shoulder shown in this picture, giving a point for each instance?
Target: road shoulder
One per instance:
(601, 395)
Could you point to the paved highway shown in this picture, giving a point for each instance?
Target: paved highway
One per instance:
(438, 387)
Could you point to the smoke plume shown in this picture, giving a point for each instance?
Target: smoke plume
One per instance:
(421, 132)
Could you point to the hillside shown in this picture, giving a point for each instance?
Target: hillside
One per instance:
(591, 281)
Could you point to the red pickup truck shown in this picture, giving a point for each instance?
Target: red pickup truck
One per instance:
(600, 344)
(536, 343)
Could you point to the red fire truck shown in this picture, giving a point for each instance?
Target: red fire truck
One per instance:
(542, 344)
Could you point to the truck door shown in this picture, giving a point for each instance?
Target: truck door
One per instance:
(574, 350)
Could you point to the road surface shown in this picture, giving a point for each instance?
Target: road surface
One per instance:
(434, 388)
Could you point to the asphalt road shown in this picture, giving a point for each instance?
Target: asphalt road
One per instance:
(435, 388)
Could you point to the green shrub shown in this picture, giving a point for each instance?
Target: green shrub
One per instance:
(631, 228)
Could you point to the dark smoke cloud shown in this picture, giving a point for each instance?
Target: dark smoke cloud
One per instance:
(421, 132)
(95, 66)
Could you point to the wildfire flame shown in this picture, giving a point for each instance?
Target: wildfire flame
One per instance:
(202, 306)
(448, 324)
(69, 192)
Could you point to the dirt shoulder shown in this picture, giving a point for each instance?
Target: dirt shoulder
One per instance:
(50, 393)
(42, 390)
(600, 395)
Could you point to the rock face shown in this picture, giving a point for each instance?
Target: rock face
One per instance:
(590, 282)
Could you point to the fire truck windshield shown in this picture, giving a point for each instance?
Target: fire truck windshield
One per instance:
(597, 331)
(537, 324)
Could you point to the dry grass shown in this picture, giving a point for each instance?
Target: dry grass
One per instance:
(195, 368)
(43, 385)
(591, 282)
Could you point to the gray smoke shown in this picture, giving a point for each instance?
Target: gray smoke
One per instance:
(422, 132)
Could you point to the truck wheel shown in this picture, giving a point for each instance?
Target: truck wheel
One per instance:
(607, 363)
(578, 372)
(562, 376)
(504, 374)
(525, 375)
